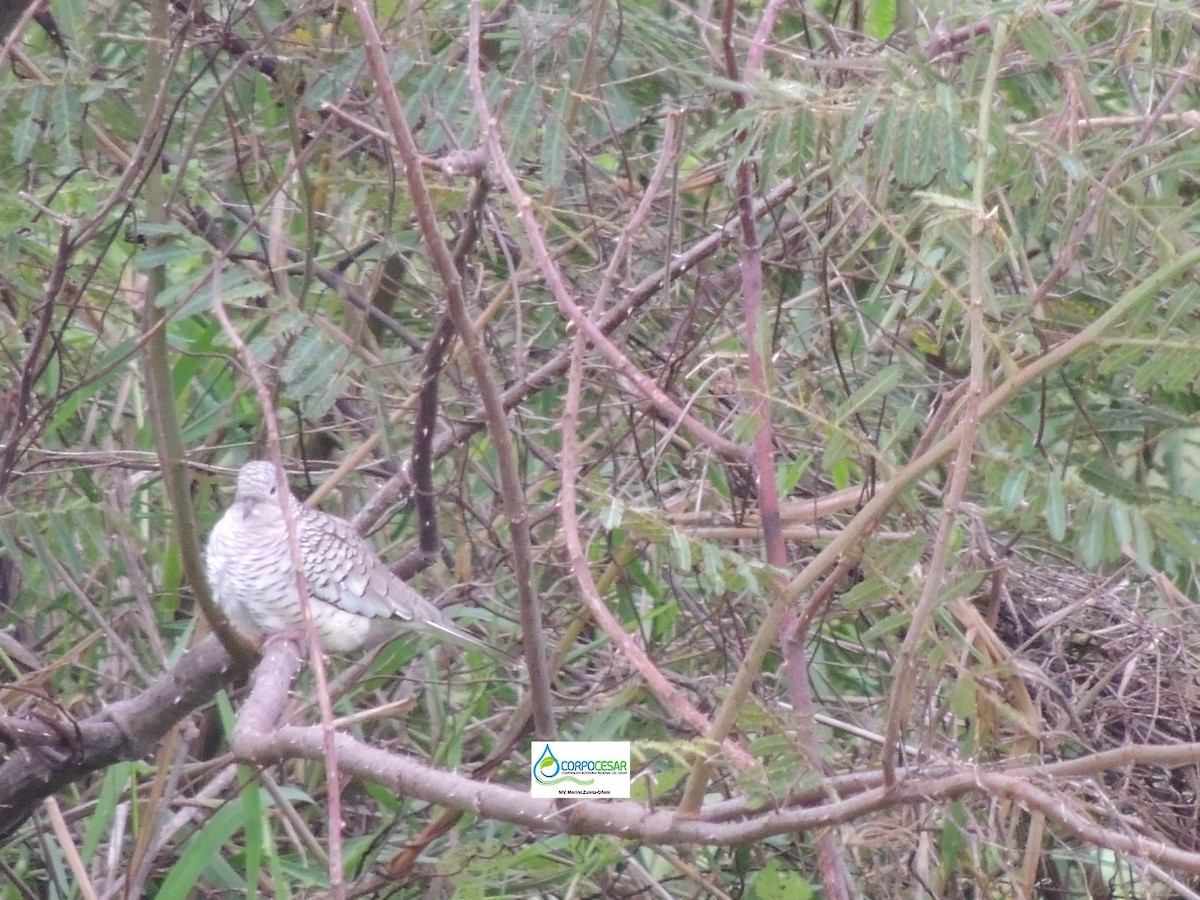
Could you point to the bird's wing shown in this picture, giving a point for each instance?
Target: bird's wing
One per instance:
(344, 571)
(341, 569)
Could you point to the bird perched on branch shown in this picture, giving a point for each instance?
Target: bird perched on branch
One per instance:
(355, 600)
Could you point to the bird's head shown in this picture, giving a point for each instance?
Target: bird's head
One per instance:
(257, 486)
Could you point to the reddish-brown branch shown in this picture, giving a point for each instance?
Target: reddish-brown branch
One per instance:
(257, 738)
(834, 875)
(127, 729)
(315, 651)
(944, 40)
(18, 421)
(1064, 260)
(658, 398)
(513, 495)
(548, 372)
(670, 696)
(130, 728)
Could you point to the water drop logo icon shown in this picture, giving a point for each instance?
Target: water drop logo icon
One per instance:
(549, 771)
(546, 768)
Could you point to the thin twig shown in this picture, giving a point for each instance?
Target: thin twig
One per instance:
(658, 398)
(315, 651)
(670, 696)
(558, 364)
(521, 552)
(834, 875)
(903, 684)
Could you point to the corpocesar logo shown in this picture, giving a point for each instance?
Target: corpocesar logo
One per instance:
(579, 769)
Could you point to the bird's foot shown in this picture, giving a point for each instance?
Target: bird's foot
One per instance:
(297, 636)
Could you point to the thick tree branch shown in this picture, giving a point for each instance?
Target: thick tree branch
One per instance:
(128, 729)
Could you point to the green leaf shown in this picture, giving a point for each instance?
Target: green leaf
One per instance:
(775, 882)
(204, 850)
(554, 139)
(1094, 545)
(1036, 38)
(165, 253)
(1012, 492)
(850, 145)
(884, 382)
(27, 130)
(520, 120)
(880, 20)
(1056, 507)
(789, 476)
(612, 516)
(913, 167)
(115, 782)
(712, 570)
(681, 551)
(255, 823)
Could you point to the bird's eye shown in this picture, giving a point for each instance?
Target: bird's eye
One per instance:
(273, 490)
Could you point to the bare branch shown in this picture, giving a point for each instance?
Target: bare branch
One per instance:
(498, 428)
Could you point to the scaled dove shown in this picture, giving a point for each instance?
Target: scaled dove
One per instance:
(355, 600)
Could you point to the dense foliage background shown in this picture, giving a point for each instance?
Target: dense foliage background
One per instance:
(928, 272)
